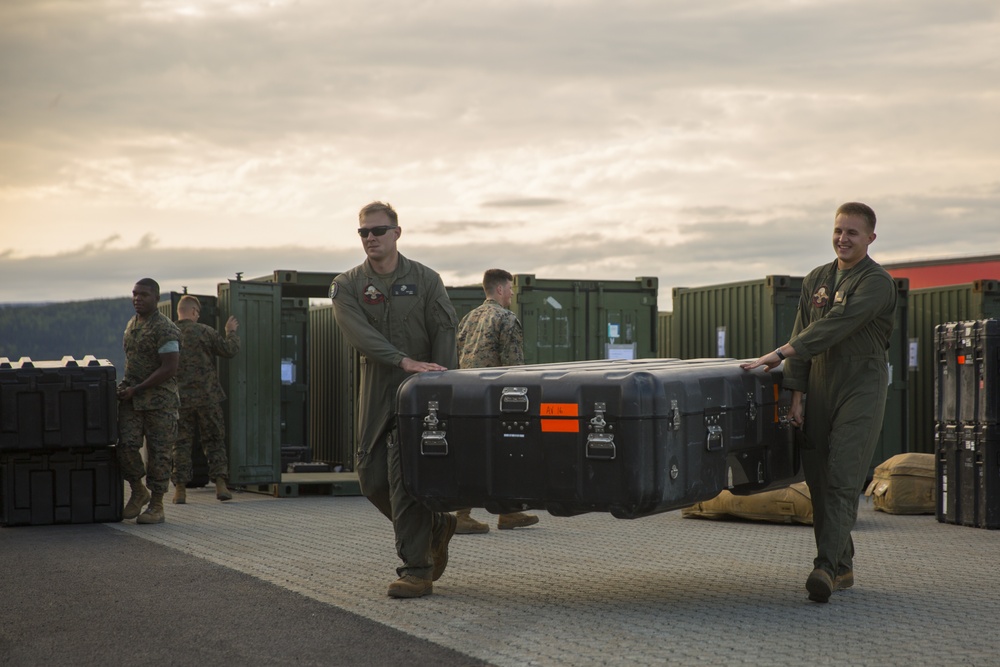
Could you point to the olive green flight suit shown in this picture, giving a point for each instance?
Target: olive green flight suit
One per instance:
(387, 318)
(841, 338)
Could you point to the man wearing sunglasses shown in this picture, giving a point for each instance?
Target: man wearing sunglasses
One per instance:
(397, 314)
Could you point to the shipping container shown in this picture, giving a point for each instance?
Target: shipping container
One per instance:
(664, 323)
(296, 288)
(930, 307)
(948, 271)
(747, 319)
(578, 320)
(334, 384)
(209, 314)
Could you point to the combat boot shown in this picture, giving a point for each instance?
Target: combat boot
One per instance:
(410, 586)
(439, 547)
(180, 494)
(820, 585)
(467, 525)
(843, 580)
(139, 497)
(153, 513)
(222, 491)
(516, 520)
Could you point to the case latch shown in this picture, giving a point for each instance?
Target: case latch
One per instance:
(675, 416)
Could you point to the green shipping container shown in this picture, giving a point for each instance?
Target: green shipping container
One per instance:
(334, 379)
(745, 320)
(252, 382)
(577, 320)
(929, 307)
(664, 324)
(297, 288)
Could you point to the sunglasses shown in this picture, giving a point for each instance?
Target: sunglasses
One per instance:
(377, 231)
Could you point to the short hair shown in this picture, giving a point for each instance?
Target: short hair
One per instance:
(149, 282)
(493, 278)
(189, 301)
(857, 208)
(377, 206)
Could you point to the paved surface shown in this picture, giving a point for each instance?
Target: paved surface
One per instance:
(586, 590)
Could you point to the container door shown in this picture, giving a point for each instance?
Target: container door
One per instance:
(252, 380)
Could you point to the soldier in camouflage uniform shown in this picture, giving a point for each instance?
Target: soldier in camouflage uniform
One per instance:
(397, 314)
(148, 402)
(837, 357)
(489, 336)
(201, 398)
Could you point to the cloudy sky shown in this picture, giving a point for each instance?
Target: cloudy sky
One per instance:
(698, 142)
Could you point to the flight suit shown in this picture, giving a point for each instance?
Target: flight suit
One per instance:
(841, 337)
(387, 318)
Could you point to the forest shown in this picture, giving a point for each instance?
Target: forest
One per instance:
(73, 328)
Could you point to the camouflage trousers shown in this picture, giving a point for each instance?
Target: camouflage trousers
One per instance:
(159, 428)
(204, 425)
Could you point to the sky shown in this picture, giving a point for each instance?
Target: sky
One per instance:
(697, 142)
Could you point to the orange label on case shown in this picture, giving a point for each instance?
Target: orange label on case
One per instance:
(560, 426)
(559, 410)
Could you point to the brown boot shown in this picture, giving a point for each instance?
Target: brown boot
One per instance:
(516, 520)
(439, 546)
(180, 494)
(153, 513)
(222, 491)
(467, 525)
(140, 496)
(410, 587)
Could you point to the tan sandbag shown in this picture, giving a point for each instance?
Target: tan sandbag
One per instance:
(904, 484)
(791, 504)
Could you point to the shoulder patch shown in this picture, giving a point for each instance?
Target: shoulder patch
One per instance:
(334, 288)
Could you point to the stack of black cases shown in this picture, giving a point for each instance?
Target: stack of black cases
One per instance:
(966, 427)
(58, 427)
(629, 437)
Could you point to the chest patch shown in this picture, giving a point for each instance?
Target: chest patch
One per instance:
(840, 298)
(821, 297)
(372, 296)
(404, 290)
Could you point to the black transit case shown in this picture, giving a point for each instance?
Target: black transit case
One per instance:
(63, 404)
(629, 437)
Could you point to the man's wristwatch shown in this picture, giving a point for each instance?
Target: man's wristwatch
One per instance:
(781, 357)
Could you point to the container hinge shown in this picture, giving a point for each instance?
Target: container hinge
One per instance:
(601, 446)
(514, 399)
(433, 443)
(751, 407)
(675, 416)
(598, 421)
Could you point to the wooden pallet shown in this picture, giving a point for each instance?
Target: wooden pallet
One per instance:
(293, 485)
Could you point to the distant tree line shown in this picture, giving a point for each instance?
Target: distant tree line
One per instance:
(74, 328)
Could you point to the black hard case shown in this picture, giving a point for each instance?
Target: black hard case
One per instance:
(968, 474)
(65, 404)
(967, 388)
(65, 486)
(631, 438)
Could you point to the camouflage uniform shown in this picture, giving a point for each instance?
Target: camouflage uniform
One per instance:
(387, 318)
(490, 336)
(840, 337)
(201, 398)
(153, 413)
